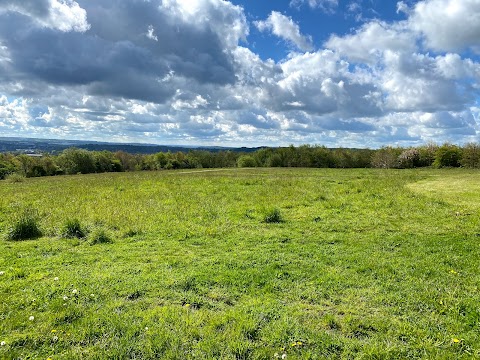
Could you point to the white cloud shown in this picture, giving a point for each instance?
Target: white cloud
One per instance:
(328, 6)
(447, 25)
(371, 40)
(63, 15)
(285, 28)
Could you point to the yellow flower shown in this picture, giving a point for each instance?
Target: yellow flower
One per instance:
(53, 331)
(187, 305)
(294, 344)
(299, 343)
(453, 272)
(455, 340)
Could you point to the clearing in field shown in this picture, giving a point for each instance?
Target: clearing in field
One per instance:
(241, 264)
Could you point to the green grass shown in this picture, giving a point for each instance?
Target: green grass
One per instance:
(366, 264)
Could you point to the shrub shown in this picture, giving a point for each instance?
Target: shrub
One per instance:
(471, 156)
(409, 159)
(246, 161)
(273, 216)
(15, 178)
(100, 236)
(24, 227)
(385, 158)
(73, 229)
(448, 155)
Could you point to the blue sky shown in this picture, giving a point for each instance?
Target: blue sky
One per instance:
(354, 73)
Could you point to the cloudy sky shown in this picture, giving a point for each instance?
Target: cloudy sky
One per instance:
(353, 73)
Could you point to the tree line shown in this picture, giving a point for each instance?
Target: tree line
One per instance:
(81, 161)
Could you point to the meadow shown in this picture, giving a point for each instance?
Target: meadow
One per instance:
(243, 264)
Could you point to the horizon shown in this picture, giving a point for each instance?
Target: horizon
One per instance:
(241, 73)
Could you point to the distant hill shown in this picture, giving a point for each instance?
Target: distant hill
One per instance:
(35, 146)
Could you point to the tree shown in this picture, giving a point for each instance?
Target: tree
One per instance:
(471, 156)
(448, 155)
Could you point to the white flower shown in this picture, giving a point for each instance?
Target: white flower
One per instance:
(92, 295)
(3, 343)
(284, 356)
(31, 318)
(65, 298)
(55, 338)
(276, 356)
(55, 279)
(74, 291)
(2, 273)
(146, 327)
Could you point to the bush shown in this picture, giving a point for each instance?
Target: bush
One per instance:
(246, 161)
(273, 216)
(100, 236)
(15, 178)
(471, 156)
(448, 155)
(409, 159)
(73, 229)
(25, 226)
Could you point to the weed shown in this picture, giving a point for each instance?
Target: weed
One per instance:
(15, 178)
(25, 226)
(273, 216)
(100, 236)
(73, 229)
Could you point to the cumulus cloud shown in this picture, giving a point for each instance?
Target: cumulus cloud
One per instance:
(64, 15)
(447, 25)
(181, 72)
(285, 28)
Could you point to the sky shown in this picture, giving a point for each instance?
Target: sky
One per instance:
(339, 73)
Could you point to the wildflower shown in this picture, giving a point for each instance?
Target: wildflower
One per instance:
(74, 291)
(276, 356)
(55, 339)
(92, 295)
(65, 298)
(3, 343)
(299, 343)
(55, 279)
(455, 340)
(284, 356)
(2, 273)
(294, 344)
(187, 305)
(54, 331)
(31, 318)
(453, 272)
(146, 327)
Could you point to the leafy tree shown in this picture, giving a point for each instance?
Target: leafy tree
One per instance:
(471, 156)
(246, 161)
(448, 155)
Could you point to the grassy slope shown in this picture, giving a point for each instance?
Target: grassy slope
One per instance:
(364, 266)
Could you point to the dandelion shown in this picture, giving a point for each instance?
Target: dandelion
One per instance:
(455, 340)
(55, 279)
(294, 344)
(187, 305)
(31, 318)
(3, 343)
(453, 272)
(54, 331)
(299, 343)
(74, 291)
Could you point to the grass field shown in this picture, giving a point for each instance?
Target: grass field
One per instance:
(364, 264)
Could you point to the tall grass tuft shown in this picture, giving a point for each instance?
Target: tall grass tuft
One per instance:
(25, 226)
(273, 216)
(73, 229)
(100, 236)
